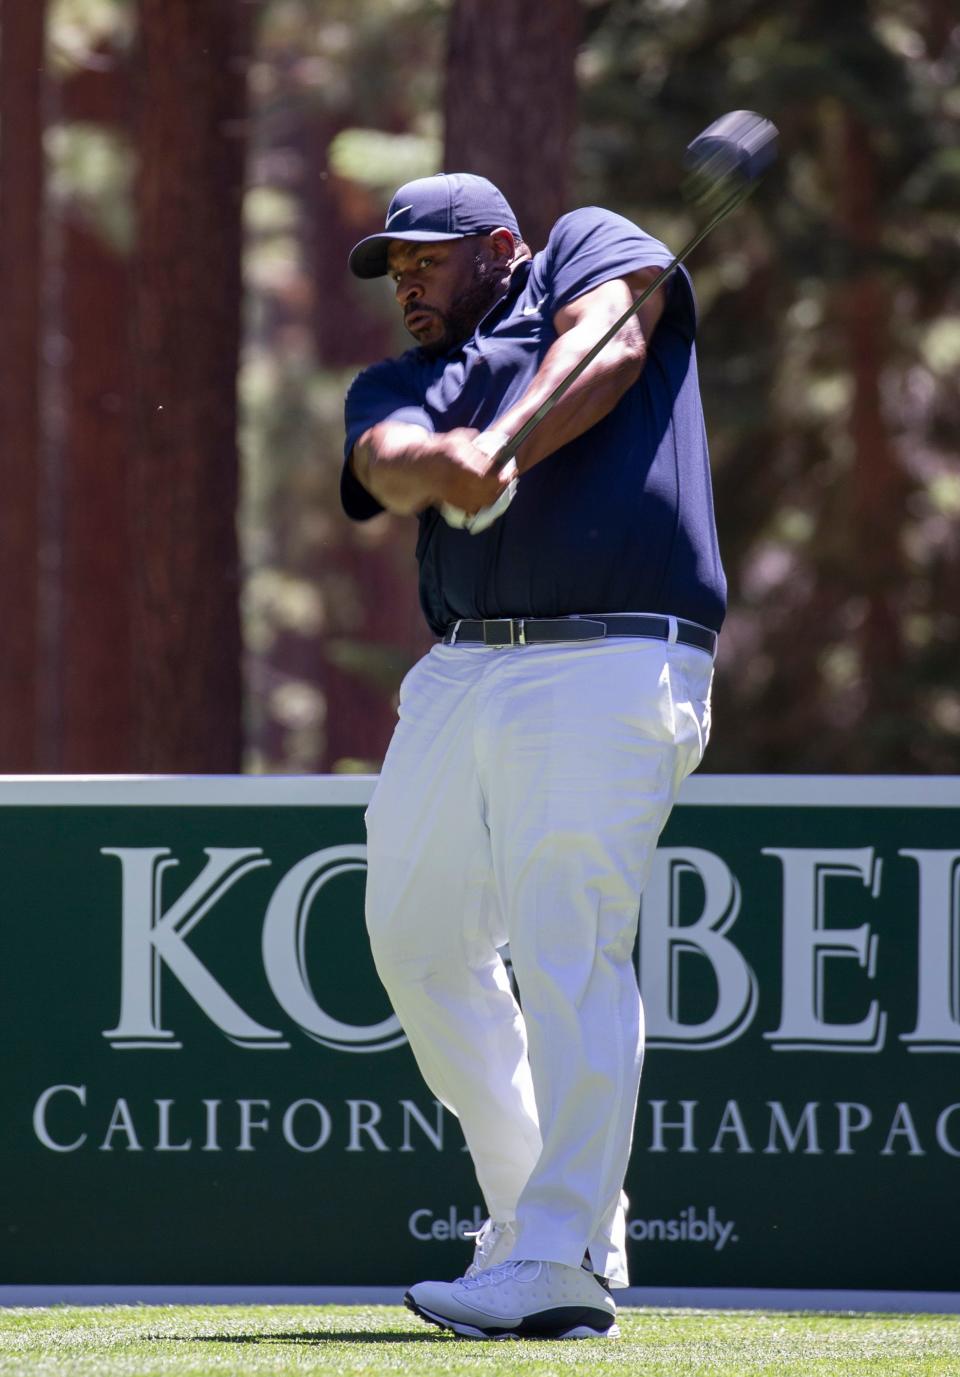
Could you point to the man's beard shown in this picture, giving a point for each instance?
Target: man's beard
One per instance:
(466, 313)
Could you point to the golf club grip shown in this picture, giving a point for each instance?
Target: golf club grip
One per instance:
(544, 409)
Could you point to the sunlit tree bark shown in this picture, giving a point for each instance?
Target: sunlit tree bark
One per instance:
(21, 84)
(511, 100)
(92, 655)
(875, 562)
(186, 313)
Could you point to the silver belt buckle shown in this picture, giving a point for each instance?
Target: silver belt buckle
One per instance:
(516, 629)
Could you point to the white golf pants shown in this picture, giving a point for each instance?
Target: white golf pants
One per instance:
(520, 801)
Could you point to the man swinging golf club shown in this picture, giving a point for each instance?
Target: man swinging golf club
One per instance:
(576, 591)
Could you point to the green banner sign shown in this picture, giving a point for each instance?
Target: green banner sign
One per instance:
(204, 1083)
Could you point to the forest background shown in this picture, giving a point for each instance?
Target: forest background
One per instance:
(180, 182)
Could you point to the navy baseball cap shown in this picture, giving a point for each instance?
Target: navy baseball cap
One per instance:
(449, 205)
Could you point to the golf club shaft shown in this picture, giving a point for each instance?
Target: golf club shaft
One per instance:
(510, 449)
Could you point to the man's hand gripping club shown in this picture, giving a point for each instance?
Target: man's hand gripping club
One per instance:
(408, 469)
(491, 443)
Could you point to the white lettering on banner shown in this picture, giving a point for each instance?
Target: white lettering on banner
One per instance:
(688, 1227)
(40, 1117)
(938, 967)
(121, 1121)
(434, 1131)
(364, 1116)
(664, 939)
(65, 1120)
(685, 1125)
(154, 945)
(903, 1127)
(428, 1227)
(306, 1125)
(326, 1125)
(248, 1123)
(284, 954)
(814, 1129)
(791, 1136)
(942, 1140)
(808, 946)
(212, 1107)
(163, 1129)
(732, 1122)
(152, 939)
(846, 1125)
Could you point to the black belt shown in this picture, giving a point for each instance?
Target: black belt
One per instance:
(513, 631)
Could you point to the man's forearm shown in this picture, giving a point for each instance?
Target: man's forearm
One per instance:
(399, 463)
(392, 463)
(599, 388)
(592, 397)
(408, 468)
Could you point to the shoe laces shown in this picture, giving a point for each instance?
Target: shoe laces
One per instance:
(493, 1276)
(485, 1239)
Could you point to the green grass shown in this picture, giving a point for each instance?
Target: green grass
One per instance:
(337, 1341)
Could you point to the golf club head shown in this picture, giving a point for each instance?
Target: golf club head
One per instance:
(725, 161)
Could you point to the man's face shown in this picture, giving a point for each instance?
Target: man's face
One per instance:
(444, 289)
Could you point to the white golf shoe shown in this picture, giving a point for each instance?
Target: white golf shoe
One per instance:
(519, 1300)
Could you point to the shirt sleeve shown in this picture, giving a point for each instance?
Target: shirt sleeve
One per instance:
(590, 246)
(375, 395)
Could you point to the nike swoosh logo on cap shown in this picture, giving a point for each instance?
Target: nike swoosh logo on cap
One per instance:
(395, 214)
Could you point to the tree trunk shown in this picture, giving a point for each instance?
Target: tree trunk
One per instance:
(510, 105)
(879, 486)
(96, 717)
(360, 715)
(98, 711)
(21, 182)
(186, 310)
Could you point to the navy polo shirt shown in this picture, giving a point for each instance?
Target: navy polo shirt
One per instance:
(618, 520)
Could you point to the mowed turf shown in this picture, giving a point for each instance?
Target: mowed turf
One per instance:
(176, 1340)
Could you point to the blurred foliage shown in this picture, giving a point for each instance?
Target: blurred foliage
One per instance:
(800, 683)
(384, 161)
(91, 168)
(343, 103)
(90, 165)
(804, 495)
(78, 32)
(834, 443)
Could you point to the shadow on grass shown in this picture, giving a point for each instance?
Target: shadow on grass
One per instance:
(380, 1336)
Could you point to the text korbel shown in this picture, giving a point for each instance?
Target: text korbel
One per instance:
(817, 885)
